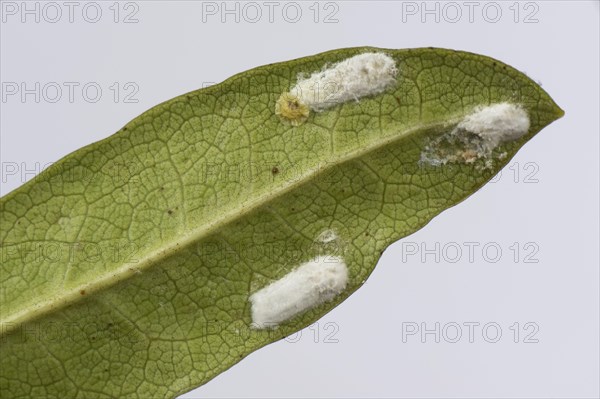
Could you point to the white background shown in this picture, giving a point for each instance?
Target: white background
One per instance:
(550, 207)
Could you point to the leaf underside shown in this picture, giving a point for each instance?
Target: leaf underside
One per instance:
(127, 265)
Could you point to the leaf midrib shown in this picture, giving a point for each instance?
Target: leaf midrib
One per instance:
(126, 271)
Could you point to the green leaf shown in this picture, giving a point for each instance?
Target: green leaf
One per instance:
(127, 266)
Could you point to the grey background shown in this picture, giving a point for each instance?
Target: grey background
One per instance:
(550, 207)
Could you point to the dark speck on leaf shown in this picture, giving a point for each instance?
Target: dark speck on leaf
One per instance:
(275, 170)
(82, 292)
